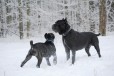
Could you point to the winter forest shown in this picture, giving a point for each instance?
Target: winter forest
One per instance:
(29, 18)
(24, 20)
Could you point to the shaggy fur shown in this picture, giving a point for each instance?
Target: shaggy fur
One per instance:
(74, 40)
(41, 50)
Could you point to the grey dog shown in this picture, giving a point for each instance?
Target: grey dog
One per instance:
(41, 50)
(74, 41)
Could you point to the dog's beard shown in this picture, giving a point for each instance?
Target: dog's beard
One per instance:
(61, 32)
(57, 31)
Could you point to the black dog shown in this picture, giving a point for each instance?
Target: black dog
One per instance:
(74, 40)
(41, 50)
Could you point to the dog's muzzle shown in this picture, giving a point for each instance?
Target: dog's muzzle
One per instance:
(54, 28)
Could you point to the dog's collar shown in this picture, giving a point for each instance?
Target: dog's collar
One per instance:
(64, 34)
(49, 40)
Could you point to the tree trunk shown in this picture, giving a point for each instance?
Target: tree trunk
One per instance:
(20, 20)
(102, 18)
(21, 30)
(28, 20)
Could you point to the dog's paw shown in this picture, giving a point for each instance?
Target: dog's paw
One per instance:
(54, 62)
(37, 66)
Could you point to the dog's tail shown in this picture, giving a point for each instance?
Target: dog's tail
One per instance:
(31, 43)
(98, 34)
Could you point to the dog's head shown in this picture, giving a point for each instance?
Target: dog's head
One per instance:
(49, 36)
(61, 26)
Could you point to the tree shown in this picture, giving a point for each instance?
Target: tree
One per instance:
(20, 20)
(102, 17)
(28, 20)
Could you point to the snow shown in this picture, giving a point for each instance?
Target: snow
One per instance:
(13, 51)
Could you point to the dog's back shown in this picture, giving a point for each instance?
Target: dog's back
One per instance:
(90, 37)
(44, 49)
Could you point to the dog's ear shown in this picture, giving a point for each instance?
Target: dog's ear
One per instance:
(31, 43)
(45, 35)
(65, 19)
(52, 35)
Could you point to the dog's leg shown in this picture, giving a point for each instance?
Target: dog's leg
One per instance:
(39, 62)
(96, 45)
(73, 56)
(48, 62)
(55, 58)
(67, 53)
(87, 50)
(28, 57)
(67, 50)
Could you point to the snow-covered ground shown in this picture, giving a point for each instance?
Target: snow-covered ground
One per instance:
(13, 51)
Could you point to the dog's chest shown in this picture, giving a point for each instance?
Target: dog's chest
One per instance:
(69, 42)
